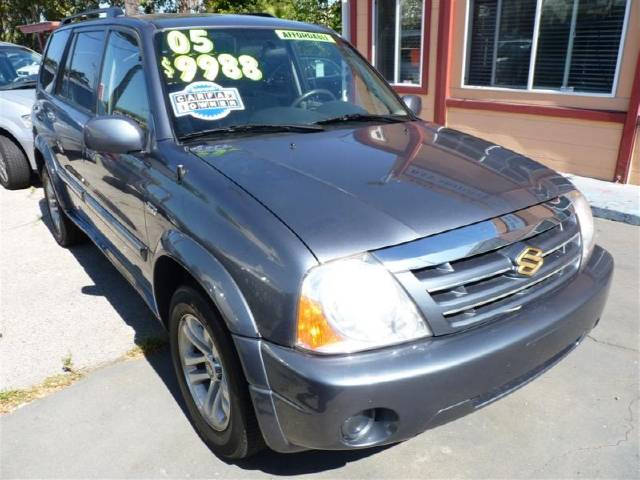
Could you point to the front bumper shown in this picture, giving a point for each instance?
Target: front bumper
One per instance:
(301, 400)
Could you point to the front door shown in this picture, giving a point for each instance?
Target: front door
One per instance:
(117, 181)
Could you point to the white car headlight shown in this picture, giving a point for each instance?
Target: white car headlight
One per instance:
(26, 120)
(585, 220)
(355, 304)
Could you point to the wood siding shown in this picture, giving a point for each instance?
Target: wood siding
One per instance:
(634, 178)
(575, 146)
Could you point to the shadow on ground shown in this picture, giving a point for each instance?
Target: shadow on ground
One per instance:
(110, 284)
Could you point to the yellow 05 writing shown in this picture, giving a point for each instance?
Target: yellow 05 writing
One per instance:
(179, 43)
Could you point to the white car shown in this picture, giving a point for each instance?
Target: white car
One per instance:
(18, 75)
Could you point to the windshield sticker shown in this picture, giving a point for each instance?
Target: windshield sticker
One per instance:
(180, 44)
(206, 101)
(218, 150)
(310, 36)
(210, 66)
(192, 52)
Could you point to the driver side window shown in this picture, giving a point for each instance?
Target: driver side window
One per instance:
(323, 69)
(122, 89)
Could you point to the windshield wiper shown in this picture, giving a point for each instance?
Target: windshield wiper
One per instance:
(19, 84)
(363, 117)
(257, 128)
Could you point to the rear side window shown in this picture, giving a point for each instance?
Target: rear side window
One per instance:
(122, 89)
(52, 59)
(80, 75)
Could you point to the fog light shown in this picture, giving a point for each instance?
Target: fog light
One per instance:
(356, 427)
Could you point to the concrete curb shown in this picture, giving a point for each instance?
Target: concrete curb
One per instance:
(615, 215)
(611, 201)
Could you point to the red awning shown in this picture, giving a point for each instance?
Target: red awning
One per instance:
(40, 27)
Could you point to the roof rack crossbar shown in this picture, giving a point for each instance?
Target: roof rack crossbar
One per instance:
(109, 13)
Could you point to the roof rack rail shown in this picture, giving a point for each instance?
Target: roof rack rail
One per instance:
(110, 12)
(259, 14)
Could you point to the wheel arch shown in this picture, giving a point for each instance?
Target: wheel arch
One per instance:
(39, 158)
(44, 155)
(180, 261)
(46, 160)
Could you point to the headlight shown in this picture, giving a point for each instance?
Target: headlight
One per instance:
(585, 221)
(355, 304)
(26, 120)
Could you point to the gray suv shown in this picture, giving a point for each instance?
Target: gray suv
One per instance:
(334, 272)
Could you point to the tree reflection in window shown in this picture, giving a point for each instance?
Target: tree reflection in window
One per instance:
(123, 90)
(81, 71)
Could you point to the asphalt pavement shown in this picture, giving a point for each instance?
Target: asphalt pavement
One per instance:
(126, 420)
(58, 303)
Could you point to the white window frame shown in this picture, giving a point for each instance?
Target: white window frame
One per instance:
(534, 48)
(396, 56)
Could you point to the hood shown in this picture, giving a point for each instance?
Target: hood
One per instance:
(20, 100)
(346, 191)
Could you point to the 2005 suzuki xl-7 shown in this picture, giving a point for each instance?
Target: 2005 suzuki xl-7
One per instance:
(334, 272)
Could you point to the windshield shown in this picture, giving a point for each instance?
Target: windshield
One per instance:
(224, 78)
(18, 66)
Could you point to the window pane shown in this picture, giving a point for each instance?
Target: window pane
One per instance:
(595, 47)
(514, 43)
(52, 60)
(80, 80)
(503, 59)
(553, 41)
(482, 37)
(122, 86)
(386, 38)
(410, 41)
(17, 64)
(63, 86)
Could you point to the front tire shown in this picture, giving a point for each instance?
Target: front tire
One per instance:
(63, 229)
(15, 172)
(211, 378)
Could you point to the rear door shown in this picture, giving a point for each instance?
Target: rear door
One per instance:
(74, 100)
(45, 107)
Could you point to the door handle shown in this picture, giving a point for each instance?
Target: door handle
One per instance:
(37, 111)
(151, 208)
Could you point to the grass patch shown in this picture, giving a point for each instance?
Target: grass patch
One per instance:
(146, 347)
(12, 399)
(67, 363)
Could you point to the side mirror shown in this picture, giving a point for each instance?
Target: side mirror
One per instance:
(414, 103)
(114, 134)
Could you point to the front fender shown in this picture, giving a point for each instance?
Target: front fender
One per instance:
(213, 277)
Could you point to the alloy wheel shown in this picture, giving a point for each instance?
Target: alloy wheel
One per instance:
(204, 372)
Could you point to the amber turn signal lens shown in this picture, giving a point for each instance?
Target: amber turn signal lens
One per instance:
(313, 329)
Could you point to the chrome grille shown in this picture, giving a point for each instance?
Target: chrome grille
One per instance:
(461, 278)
